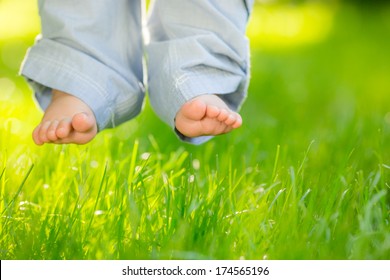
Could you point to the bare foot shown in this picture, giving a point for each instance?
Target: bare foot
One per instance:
(66, 120)
(206, 115)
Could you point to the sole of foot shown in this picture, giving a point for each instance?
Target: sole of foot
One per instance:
(206, 115)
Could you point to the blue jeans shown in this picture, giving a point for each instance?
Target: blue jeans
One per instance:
(93, 49)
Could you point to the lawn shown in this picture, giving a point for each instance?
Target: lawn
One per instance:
(306, 177)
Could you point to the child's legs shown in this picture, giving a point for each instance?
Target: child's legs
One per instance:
(197, 48)
(93, 51)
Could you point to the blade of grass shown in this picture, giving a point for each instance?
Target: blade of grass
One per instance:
(11, 203)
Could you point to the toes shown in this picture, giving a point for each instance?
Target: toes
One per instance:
(188, 118)
(223, 116)
(212, 127)
(206, 115)
(212, 111)
(222, 129)
(230, 120)
(42, 134)
(35, 135)
(233, 119)
(238, 122)
(194, 110)
(71, 122)
(51, 131)
(83, 122)
(78, 138)
(64, 128)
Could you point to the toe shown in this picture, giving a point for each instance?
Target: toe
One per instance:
(43, 132)
(51, 131)
(212, 111)
(194, 109)
(223, 116)
(231, 119)
(35, 135)
(238, 122)
(64, 128)
(83, 122)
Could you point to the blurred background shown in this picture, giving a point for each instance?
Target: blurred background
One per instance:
(329, 57)
(320, 91)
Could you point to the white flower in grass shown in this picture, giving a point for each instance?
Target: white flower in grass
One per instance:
(99, 212)
(24, 205)
(191, 179)
(145, 156)
(165, 178)
(196, 164)
(94, 164)
(260, 190)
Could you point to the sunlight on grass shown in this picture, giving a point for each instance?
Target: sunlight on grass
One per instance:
(19, 24)
(18, 113)
(18, 18)
(7, 89)
(283, 26)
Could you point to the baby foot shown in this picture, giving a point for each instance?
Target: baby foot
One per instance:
(206, 115)
(66, 120)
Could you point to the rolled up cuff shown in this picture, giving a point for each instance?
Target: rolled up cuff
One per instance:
(112, 98)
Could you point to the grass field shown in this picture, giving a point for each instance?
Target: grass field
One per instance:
(306, 177)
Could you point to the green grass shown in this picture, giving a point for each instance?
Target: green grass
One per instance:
(307, 177)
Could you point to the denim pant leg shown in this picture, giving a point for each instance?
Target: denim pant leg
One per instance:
(197, 47)
(92, 50)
